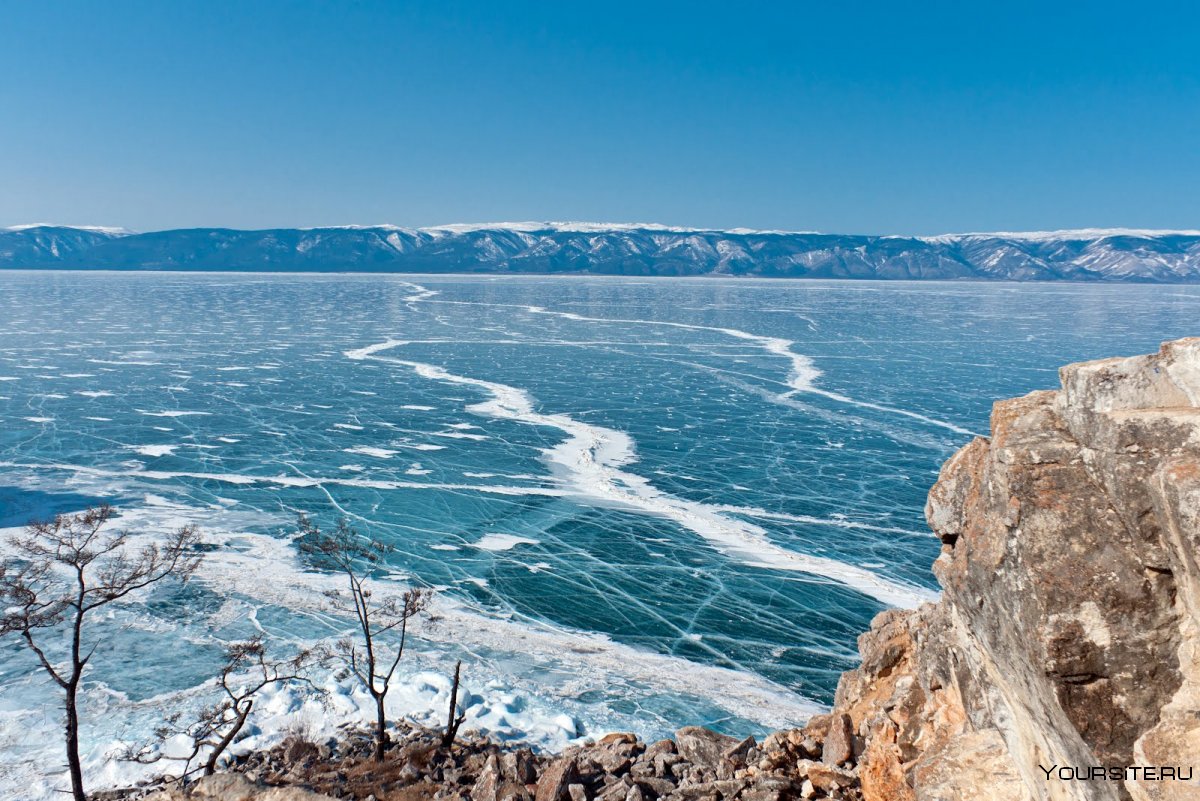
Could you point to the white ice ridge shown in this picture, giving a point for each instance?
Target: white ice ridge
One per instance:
(589, 460)
(803, 374)
(419, 293)
(801, 378)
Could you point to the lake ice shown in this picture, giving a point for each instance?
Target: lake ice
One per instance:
(644, 503)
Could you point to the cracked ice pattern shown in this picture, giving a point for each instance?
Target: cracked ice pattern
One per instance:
(713, 475)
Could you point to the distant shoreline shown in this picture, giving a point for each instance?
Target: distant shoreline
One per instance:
(631, 251)
(747, 279)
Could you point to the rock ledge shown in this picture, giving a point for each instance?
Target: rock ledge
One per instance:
(1067, 632)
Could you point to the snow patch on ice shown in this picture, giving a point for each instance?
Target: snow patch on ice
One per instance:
(501, 542)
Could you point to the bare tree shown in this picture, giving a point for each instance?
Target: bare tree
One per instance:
(57, 573)
(246, 672)
(367, 655)
(454, 720)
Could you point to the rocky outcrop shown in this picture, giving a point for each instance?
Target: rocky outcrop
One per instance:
(1067, 633)
(698, 765)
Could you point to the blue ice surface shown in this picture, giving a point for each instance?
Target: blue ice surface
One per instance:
(799, 418)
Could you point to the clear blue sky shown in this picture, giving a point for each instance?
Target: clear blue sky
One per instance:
(847, 117)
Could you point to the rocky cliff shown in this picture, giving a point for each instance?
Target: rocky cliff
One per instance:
(1067, 638)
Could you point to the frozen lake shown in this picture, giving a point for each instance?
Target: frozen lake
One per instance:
(644, 503)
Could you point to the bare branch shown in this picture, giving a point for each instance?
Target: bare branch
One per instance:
(357, 557)
(57, 572)
(246, 671)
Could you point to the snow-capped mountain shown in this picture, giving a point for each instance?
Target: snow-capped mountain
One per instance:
(42, 245)
(637, 249)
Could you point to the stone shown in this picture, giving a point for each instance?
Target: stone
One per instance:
(703, 747)
(827, 778)
(817, 727)
(655, 788)
(738, 753)
(616, 758)
(660, 747)
(809, 748)
(774, 782)
(474, 762)
(722, 788)
(614, 792)
(838, 747)
(880, 773)
(487, 786)
(664, 765)
(519, 766)
(974, 765)
(618, 738)
(291, 794)
(552, 786)
(577, 792)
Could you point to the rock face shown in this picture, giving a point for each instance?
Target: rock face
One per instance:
(1068, 633)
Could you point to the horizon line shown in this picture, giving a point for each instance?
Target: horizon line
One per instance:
(533, 226)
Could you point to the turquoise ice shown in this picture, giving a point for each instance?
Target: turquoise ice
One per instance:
(644, 503)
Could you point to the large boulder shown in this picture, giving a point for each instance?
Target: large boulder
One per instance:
(1067, 632)
(702, 746)
(556, 780)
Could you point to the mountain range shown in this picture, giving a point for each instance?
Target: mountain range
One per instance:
(610, 249)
